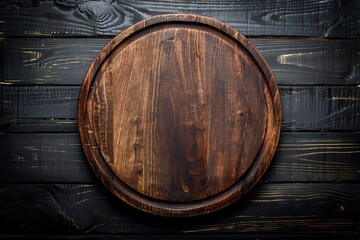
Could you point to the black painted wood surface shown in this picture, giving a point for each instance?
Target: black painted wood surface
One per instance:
(53, 108)
(311, 189)
(329, 18)
(86, 209)
(58, 158)
(301, 61)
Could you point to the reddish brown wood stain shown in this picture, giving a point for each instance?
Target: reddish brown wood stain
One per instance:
(179, 115)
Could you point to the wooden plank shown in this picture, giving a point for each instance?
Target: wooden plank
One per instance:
(48, 61)
(316, 157)
(43, 158)
(320, 108)
(300, 157)
(63, 61)
(38, 102)
(304, 108)
(48, 125)
(227, 236)
(92, 18)
(312, 62)
(72, 208)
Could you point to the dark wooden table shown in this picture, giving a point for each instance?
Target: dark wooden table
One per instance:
(312, 187)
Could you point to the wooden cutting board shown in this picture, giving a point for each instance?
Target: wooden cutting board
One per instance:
(179, 115)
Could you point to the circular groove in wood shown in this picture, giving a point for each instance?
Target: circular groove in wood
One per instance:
(179, 115)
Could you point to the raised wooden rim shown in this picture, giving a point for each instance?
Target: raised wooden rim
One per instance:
(164, 208)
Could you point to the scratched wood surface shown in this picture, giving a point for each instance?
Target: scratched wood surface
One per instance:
(53, 108)
(300, 157)
(329, 18)
(312, 186)
(51, 61)
(231, 236)
(283, 207)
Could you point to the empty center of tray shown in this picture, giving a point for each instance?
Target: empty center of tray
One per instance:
(179, 113)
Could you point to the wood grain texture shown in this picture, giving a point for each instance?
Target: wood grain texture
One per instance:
(313, 108)
(90, 209)
(41, 158)
(330, 18)
(228, 236)
(64, 61)
(38, 102)
(301, 112)
(300, 157)
(39, 125)
(179, 115)
(307, 210)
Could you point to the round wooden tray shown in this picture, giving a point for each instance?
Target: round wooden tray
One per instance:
(179, 115)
